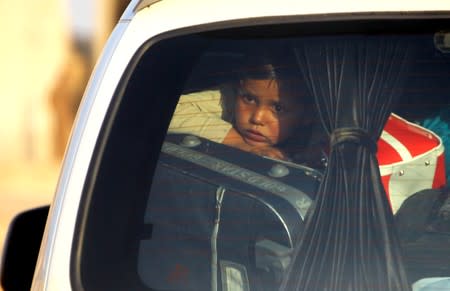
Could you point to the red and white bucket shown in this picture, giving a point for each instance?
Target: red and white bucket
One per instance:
(411, 159)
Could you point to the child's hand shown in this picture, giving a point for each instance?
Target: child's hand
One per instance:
(270, 152)
(234, 139)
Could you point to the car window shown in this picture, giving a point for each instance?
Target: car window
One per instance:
(217, 146)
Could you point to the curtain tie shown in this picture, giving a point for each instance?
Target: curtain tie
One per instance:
(354, 135)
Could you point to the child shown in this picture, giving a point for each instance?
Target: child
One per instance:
(265, 110)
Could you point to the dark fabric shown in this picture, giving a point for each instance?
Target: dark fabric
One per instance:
(424, 231)
(352, 135)
(350, 242)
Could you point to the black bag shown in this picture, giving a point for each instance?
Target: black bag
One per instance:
(222, 219)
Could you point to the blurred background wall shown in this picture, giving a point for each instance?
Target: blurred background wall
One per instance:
(33, 47)
(47, 51)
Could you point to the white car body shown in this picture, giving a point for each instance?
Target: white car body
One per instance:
(144, 20)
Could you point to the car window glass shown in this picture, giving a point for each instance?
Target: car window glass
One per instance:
(239, 148)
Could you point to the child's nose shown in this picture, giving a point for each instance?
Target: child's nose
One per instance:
(259, 116)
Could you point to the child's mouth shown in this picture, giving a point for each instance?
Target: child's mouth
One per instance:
(255, 136)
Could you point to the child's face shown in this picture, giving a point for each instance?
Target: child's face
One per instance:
(263, 117)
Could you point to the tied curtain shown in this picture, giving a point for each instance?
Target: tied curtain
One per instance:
(350, 242)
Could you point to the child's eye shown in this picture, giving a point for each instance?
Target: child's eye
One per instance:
(248, 98)
(278, 108)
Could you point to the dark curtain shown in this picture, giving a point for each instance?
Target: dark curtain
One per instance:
(350, 242)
